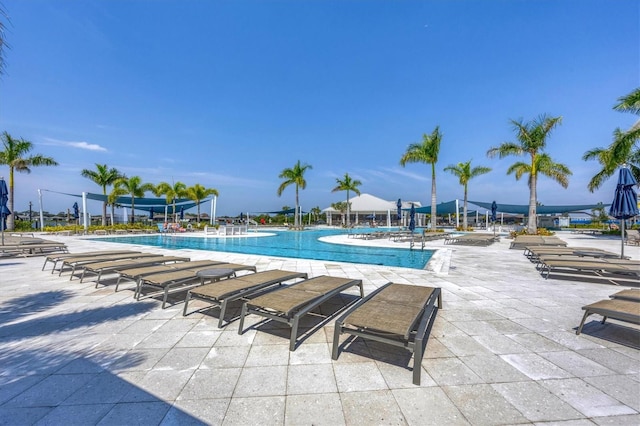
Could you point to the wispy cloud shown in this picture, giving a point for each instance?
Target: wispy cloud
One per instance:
(72, 144)
(405, 173)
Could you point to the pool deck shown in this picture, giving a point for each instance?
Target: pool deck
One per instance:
(503, 350)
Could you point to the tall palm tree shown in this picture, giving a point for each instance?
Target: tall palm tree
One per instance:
(427, 153)
(15, 155)
(103, 176)
(294, 176)
(347, 184)
(532, 139)
(135, 188)
(465, 173)
(198, 193)
(172, 192)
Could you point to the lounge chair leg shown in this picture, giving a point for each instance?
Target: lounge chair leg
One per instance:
(186, 303)
(336, 339)
(417, 361)
(223, 311)
(294, 333)
(164, 298)
(243, 312)
(603, 320)
(579, 330)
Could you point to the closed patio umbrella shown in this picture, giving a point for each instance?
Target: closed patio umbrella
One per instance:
(399, 206)
(412, 218)
(76, 211)
(182, 213)
(4, 210)
(624, 205)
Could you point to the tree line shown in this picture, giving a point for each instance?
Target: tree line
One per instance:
(531, 139)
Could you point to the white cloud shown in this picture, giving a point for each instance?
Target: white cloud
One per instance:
(72, 144)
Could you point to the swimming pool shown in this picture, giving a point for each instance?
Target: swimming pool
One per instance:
(301, 245)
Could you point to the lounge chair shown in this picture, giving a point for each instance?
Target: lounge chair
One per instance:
(182, 280)
(619, 309)
(79, 262)
(120, 265)
(133, 274)
(633, 237)
(597, 266)
(629, 294)
(397, 314)
(524, 241)
(221, 293)
(55, 258)
(32, 248)
(532, 252)
(471, 239)
(289, 304)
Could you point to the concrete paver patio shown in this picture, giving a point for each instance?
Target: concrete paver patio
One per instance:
(503, 350)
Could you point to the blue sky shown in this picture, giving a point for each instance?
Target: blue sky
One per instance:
(229, 93)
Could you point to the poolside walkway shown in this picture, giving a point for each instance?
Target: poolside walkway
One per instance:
(503, 351)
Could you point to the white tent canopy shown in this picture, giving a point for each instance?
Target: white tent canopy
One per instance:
(366, 204)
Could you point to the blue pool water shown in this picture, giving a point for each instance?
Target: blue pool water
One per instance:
(303, 245)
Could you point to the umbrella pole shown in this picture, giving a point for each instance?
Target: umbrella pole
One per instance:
(622, 221)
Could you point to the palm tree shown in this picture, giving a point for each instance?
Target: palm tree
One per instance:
(134, 187)
(177, 190)
(316, 212)
(103, 176)
(532, 139)
(14, 155)
(294, 176)
(347, 184)
(342, 207)
(427, 153)
(198, 193)
(465, 173)
(112, 199)
(623, 150)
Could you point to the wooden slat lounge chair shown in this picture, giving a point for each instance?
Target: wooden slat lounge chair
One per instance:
(80, 262)
(289, 304)
(182, 280)
(112, 266)
(597, 266)
(221, 293)
(55, 258)
(623, 310)
(397, 314)
(133, 274)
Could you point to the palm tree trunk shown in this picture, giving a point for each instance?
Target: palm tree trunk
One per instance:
(348, 209)
(464, 210)
(532, 227)
(198, 212)
(297, 212)
(10, 218)
(104, 213)
(433, 197)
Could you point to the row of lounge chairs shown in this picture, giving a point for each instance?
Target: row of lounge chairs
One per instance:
(523, 241)
(623, 306)
(397, 314)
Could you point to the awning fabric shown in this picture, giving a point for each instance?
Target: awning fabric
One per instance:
(144, 204)
(449, 207)
(524, 209)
